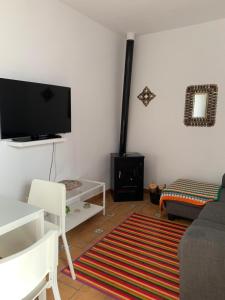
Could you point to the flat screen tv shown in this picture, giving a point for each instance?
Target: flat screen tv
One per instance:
(33, 111)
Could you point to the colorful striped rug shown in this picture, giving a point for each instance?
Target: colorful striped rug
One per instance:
(137, 260)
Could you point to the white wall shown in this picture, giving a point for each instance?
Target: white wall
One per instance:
(47, 41)
(167, 63)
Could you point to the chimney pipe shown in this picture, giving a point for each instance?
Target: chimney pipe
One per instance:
(126, 92)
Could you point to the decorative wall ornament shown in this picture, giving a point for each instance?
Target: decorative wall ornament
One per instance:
(146, 96)
(200, 105)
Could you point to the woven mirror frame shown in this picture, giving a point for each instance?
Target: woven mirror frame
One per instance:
(211, 90)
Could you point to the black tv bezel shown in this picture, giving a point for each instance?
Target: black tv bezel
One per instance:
(40, 136)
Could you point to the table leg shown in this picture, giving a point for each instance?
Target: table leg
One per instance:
(39, 234)
(40, 223)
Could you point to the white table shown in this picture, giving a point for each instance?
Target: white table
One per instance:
(21, 225)
(75, 200)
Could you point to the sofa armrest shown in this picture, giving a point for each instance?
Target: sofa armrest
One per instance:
(223, 181)
(202, 261)
(214, 212)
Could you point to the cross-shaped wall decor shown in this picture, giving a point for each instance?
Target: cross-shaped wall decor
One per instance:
(146, 96)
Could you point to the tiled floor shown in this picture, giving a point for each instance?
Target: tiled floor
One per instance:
(84, 236)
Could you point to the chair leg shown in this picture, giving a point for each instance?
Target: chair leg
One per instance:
(68, 256)
(55, 289)
(56, 293)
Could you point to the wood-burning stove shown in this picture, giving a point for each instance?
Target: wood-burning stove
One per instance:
(127, 169)
(127, 176)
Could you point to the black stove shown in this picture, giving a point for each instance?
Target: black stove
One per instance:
(127, 169)
(127, 176)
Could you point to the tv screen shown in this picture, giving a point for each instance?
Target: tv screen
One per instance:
(33, 109)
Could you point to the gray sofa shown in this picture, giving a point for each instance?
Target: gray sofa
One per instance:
(202, 254)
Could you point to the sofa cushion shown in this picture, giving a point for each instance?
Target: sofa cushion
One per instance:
(214, 212)
(202, 261)
(222, 195)
(203, 232)
(208, 224)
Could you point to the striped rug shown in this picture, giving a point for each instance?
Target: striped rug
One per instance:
(137, 260)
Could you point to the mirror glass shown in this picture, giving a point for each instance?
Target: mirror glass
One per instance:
(200, 105)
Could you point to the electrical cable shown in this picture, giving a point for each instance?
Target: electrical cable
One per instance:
(55, 166)
(50, 170)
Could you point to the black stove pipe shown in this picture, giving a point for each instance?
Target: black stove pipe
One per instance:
(126, 93)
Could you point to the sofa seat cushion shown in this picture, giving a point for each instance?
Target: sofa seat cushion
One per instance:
(214, 212)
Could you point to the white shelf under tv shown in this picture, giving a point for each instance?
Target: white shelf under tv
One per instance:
(76, 198)
(80, 214)
(34, 143)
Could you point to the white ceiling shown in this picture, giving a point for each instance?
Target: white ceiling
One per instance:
(147, 16)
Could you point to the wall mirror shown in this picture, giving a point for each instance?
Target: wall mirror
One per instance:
(200, 105)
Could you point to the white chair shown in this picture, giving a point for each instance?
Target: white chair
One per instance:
(26, 274)
(51, 196)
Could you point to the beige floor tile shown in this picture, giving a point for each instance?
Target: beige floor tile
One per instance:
(65, 291)
(87, 293)
(75, 251)
(69, 282)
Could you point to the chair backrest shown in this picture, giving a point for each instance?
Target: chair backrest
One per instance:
(51, 196)
(23, 272)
